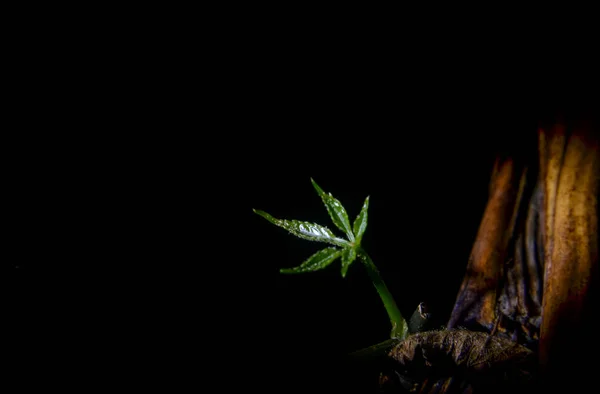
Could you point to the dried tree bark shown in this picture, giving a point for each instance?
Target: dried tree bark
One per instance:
(526, 302)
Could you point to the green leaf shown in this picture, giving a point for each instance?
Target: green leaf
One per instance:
(336, 211)
(360, 224)
(317, 261)
(305, 230)
(348, 256)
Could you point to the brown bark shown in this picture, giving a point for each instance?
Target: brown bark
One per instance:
(532, 276)
(532, 273)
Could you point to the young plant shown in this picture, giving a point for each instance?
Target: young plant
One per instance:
(348, 250)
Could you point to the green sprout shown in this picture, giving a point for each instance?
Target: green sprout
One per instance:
(347, 249)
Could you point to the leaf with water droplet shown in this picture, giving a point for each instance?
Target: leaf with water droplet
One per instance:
(336, 211)
(317, 261)
(360, 223)
(305, 230)
(348, 256)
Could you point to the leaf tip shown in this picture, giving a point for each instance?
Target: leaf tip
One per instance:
(264, 215)
(317, 188)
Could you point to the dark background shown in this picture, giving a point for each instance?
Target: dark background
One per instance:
(137, 242)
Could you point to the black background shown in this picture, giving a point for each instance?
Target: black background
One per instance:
(139, 245)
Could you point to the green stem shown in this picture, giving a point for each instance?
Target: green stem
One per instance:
(399, 326)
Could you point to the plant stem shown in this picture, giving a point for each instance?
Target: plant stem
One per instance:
(399, 326)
